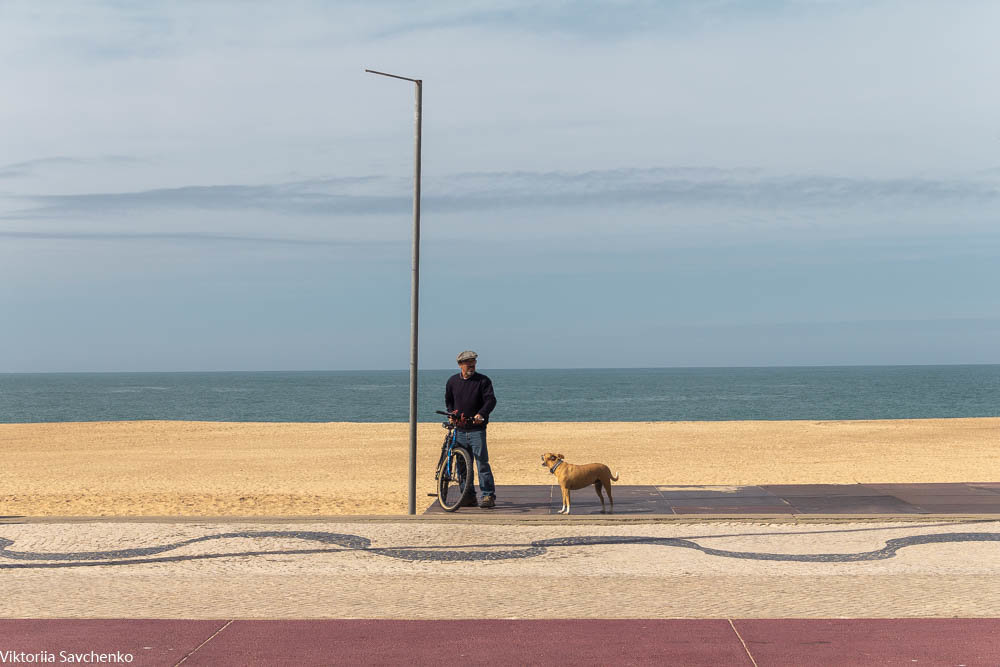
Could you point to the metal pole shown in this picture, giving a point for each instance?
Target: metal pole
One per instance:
(414, 288)
(415, 301)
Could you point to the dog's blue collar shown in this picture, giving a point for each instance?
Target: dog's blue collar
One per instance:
(553, 468)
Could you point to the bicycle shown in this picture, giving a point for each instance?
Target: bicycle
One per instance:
(454, 474)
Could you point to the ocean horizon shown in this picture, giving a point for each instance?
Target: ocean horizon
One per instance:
(524, 395)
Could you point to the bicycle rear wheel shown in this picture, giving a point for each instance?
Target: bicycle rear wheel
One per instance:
(455, 479)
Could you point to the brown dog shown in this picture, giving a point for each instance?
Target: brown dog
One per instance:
(572, 477)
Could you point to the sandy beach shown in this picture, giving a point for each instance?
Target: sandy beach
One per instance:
(159, 468)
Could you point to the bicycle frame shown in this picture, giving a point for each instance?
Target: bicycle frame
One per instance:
(450, 442)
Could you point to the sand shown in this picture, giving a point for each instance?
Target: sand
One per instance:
(171, 468)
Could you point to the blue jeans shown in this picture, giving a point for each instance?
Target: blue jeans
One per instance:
(475, 442)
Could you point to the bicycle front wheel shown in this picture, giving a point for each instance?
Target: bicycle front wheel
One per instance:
(455, 479)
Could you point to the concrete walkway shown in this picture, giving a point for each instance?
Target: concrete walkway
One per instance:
(692, 643)
(716, 584)
(767, 500)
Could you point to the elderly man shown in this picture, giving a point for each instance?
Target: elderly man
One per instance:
(468, 395)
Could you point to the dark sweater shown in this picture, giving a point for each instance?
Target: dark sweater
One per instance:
(470, 397)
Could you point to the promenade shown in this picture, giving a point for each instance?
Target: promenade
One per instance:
(729, 587)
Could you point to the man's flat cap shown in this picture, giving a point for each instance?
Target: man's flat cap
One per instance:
(468, 355)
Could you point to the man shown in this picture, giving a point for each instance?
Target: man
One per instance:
(470, 394)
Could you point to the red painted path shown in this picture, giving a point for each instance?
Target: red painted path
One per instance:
(689, 642)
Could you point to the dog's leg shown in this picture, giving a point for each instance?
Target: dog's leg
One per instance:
(597, 486)
(565, 505)
(607, 489)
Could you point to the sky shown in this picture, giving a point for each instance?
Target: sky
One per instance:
(207, 186)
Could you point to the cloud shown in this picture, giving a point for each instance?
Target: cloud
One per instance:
(601, 20)
(19, 169)
(180, 236)
(310, 197)
(32, 167)
(483, 191)
(706, 186)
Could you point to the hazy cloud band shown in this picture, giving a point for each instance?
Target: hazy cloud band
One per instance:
(505, 190)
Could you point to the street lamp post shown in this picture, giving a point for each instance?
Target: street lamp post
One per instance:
(414, 288)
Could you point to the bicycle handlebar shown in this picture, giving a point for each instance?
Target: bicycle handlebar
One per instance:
(456, 419)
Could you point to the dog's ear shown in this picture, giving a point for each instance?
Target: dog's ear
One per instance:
(559, 456)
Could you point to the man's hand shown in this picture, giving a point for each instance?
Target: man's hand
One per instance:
(478, 419)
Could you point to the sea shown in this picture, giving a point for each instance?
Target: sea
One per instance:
(533, 395)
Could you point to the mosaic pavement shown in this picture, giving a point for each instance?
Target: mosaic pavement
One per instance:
(415, 569)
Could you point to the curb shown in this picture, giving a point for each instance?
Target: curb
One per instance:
(553, 519)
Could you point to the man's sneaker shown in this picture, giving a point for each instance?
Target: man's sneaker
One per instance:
(468, 502)
(487, 502)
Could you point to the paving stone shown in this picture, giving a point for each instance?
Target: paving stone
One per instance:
(916, 498)
(746, 501)
(733, 509)
(959, 508)
(688, 492)
(872, 641)
(506, 642)
(146, 642)
(942, 489)
(851, 505)
(791, 490)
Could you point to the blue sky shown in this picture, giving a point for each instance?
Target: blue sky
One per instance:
(219, 186)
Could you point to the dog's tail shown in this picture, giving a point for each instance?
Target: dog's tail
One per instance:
(614, 477)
